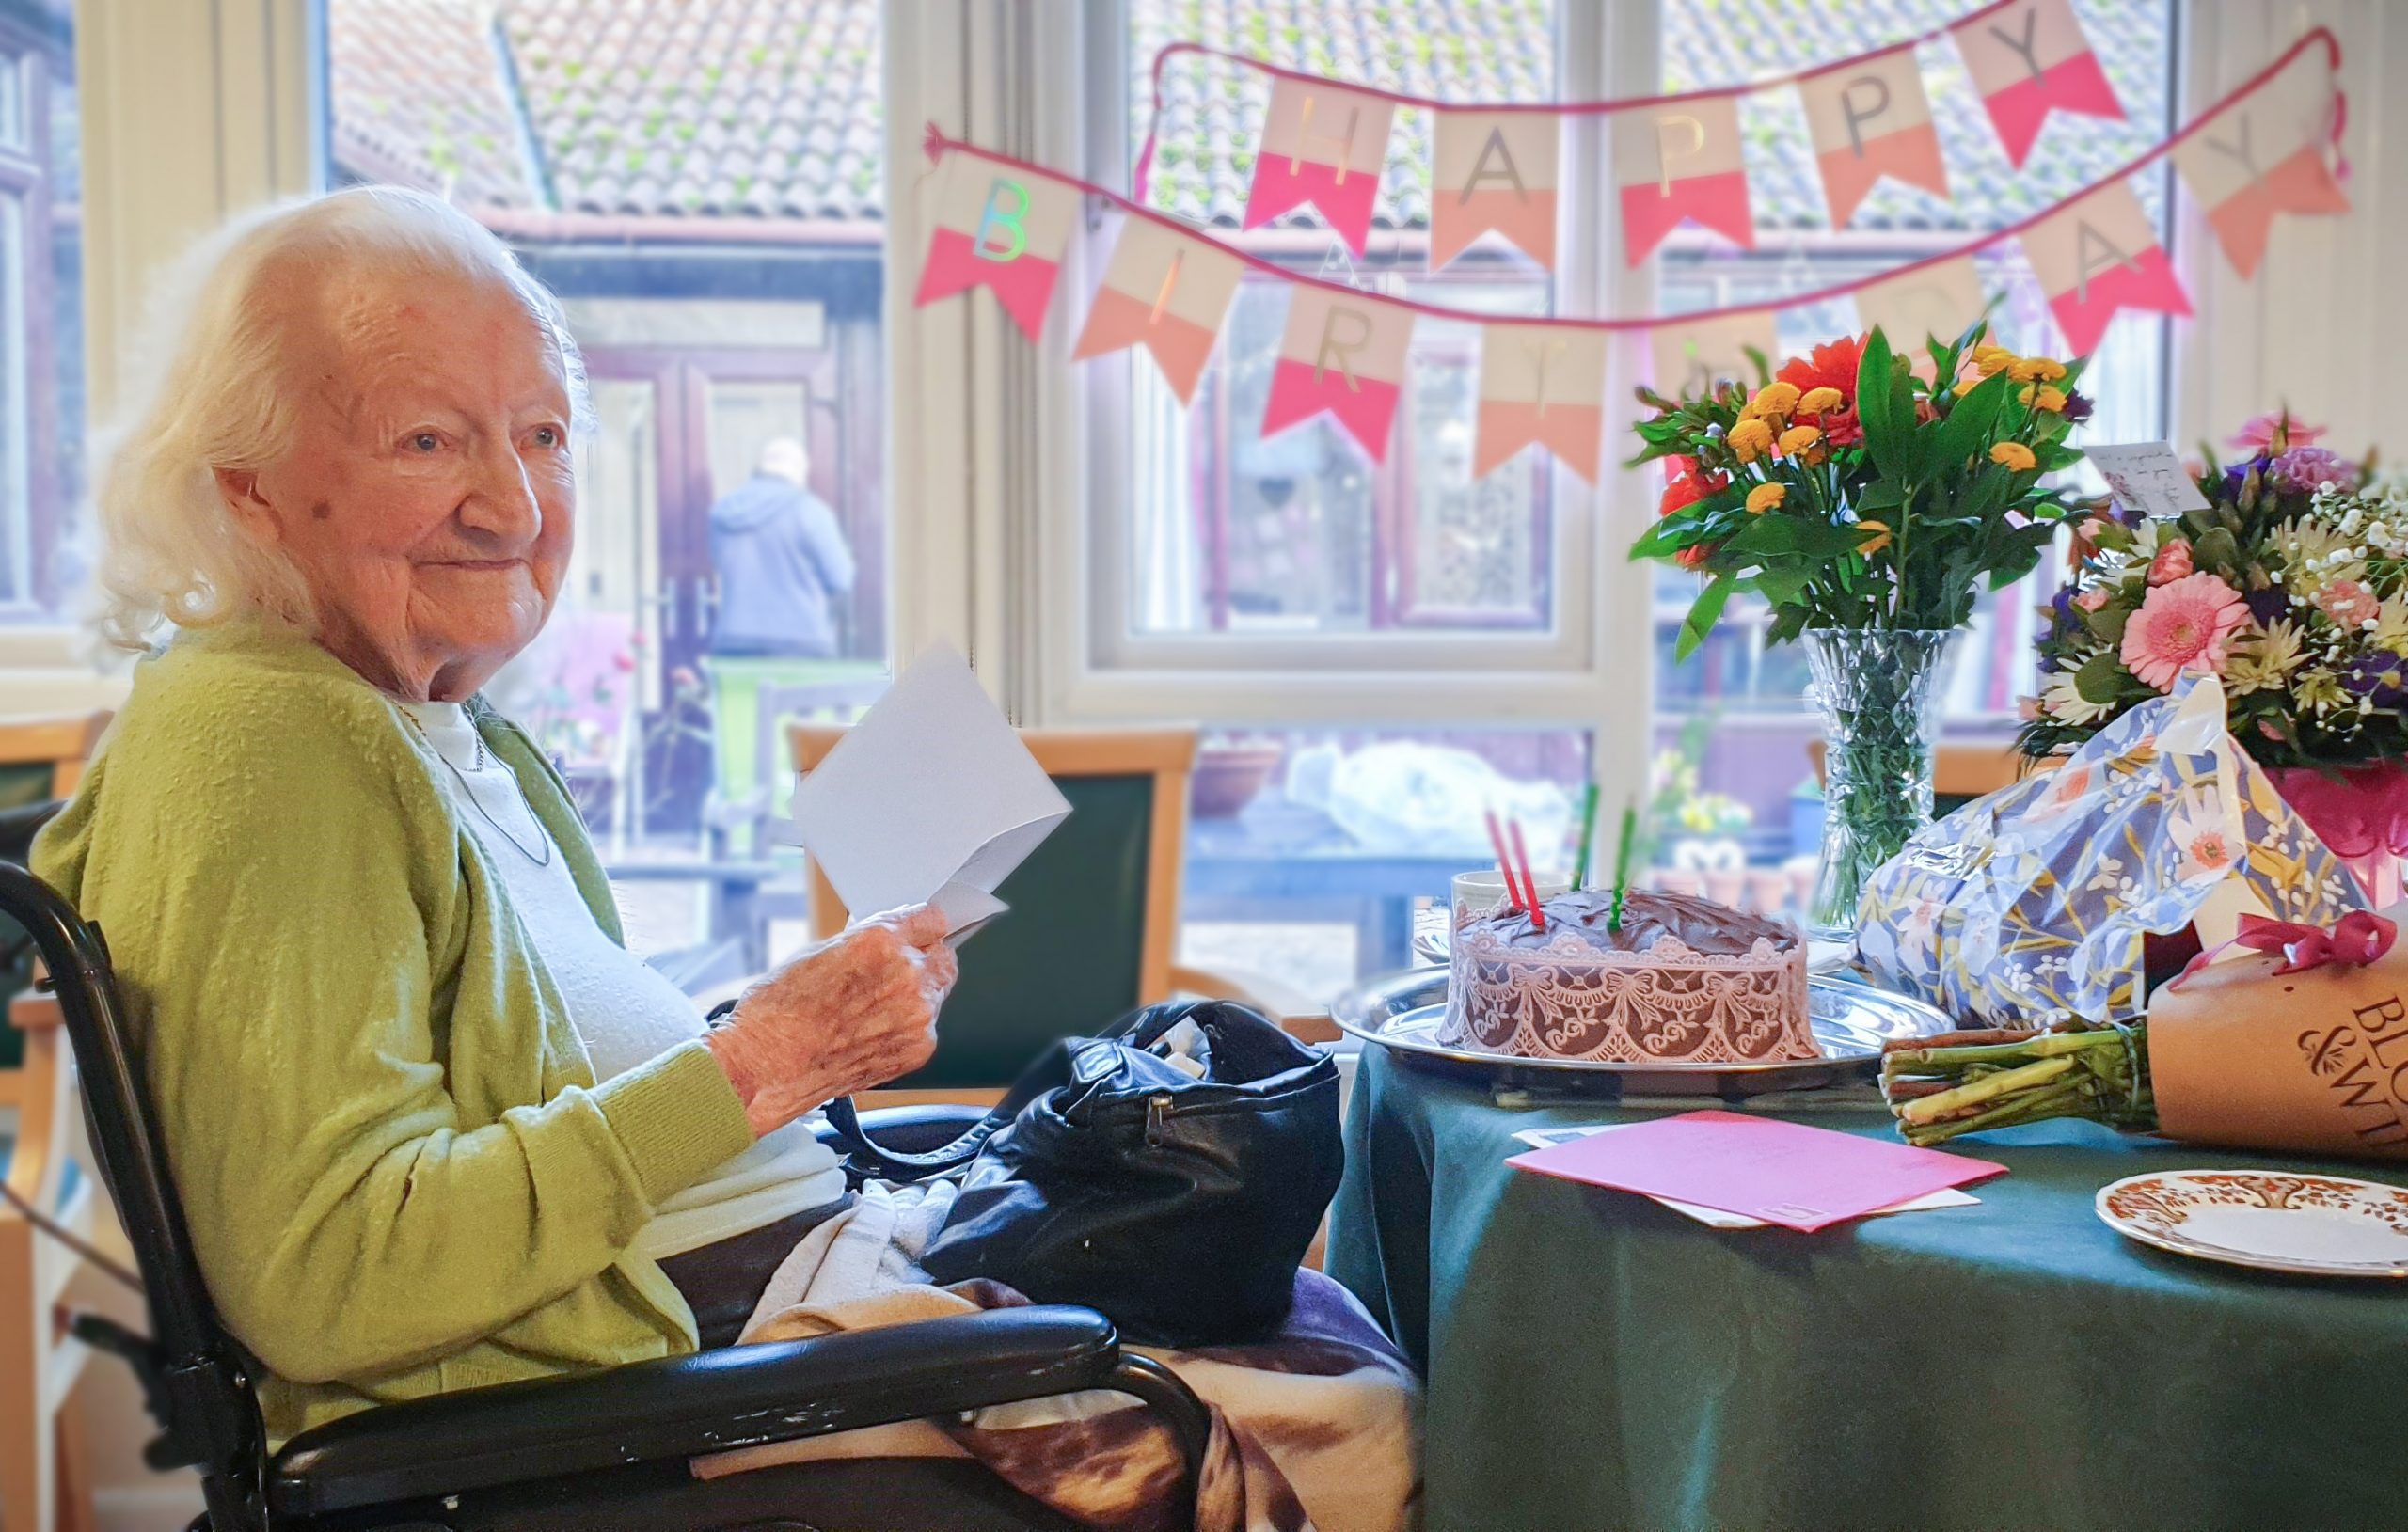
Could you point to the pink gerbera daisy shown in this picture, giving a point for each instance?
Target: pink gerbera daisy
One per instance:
(2181, 626)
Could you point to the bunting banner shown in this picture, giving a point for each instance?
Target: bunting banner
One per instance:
(1494, 171)
(1696, 354)
(1167, 293)
(1322, 143)
(2262, 156)
(993, 226)
(1677, 163)
(1541, 384)
(1868, 120)
(2029, 58)
(1941, 298)
(2098, 255)
(1342, 352)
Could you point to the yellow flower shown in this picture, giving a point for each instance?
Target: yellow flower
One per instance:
(1764, 497)
(2052, 399)
(1990, 359)
(1797, 439)
(2015, 456)
(1774, 399)
(2037, 369)
(1879, 540)
(1820, 400)
(1965, 386)
(1751, 439)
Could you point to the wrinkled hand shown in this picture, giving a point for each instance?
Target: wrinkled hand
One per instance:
(854, 1012)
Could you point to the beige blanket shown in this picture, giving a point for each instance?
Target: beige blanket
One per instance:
(1317, 1428)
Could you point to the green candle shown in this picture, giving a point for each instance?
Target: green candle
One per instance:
(1621, 862)
(1587, 833)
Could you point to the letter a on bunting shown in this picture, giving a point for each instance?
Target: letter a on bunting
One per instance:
(1494, 170)
(1167, 293)
(1870, 120)
(2099, 255)
(1344, 354)
(2028, 58)
(1681, 161)
(1543, 384)
(2265, 154)
(996, 227)
(1324, 145)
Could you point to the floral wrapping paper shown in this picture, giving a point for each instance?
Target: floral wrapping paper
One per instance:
(2036, 899)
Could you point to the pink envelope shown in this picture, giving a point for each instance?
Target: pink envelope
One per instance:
(1784, 1173)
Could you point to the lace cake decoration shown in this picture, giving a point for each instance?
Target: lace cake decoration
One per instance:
(1570, 998)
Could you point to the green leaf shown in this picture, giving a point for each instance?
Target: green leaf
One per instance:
(1885, 406)
(2101, 678)
(1780, 586)
(1703, 614)
(1966, 431)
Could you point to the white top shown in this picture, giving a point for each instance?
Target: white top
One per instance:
(624, 1011)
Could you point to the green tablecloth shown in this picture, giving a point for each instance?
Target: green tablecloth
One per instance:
(1596, 1361)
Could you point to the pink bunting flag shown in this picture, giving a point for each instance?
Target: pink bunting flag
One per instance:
(1167, 293)
(1936, 300)
(1677, 161)
(1324, 145)
(2265, 154)
(1868, 119)
(1693, 357)
(1344, 354)
(1541, 384)
(2094, 255)
(2029, 58)
(1001, 228)
(1494, 170)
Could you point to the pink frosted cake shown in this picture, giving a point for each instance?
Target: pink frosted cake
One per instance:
(1684, 981)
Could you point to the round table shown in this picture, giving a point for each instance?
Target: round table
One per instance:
(1596, 1361)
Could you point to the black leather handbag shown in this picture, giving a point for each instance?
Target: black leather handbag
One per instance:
(1110, 1177)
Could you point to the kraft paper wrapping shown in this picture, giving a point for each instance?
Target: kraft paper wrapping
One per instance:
(2311, 1063)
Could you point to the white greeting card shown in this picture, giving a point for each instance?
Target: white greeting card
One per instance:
(2148, 477)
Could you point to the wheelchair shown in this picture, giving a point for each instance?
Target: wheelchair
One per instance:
(599, 1451)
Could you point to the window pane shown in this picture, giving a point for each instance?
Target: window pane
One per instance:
(1300, 532)
(42, 307)
(1752, 696)
(703, 185)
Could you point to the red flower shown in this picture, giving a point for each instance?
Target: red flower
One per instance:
(1841, 429)
(1688, 489)
(1695, 557)
(1831, 366)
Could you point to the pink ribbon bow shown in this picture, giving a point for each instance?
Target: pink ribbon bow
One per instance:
(2357, 938)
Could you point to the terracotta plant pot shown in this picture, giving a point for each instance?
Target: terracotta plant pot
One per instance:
(1227, 777)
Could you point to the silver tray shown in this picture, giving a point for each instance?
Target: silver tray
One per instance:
(1850, 1020)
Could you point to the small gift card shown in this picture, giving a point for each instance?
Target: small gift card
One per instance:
(1783, 1173)
(2146, 477)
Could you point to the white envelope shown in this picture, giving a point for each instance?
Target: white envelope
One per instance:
(930, 798)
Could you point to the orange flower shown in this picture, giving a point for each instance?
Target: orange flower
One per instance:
(2014, 456)
(2037, 369)
(1764, 497)
(1774, 399)
(1817, 401)
(1797, 439)
(1751, 439)
(1879, 540)
(1694, 558)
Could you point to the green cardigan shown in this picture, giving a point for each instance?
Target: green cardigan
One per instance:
(399, 1172)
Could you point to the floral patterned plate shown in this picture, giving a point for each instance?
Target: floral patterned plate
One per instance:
(2311, 1225)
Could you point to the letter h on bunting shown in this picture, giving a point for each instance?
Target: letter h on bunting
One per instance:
(1324, 145)
(1343, 354)
(996, 227)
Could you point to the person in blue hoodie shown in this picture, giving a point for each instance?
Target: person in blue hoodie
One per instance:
(782, 560)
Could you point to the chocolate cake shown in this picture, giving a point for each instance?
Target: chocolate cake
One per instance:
(1683, 981)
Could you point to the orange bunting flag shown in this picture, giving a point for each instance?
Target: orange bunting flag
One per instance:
(1343, 354)
(1541, 384)
(1939, 300)
(1167, 293)
(2027, 59)
(2265, 154)
(1694, 358)
(1494, 170)
(1325, 145)
(2097, 255)
(1681, 161)
(1870, 120)
(996, 227)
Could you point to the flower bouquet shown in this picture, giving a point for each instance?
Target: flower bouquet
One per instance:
(1866, 506)
(2293, 586)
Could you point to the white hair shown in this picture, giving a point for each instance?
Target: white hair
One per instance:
(212, 391)
(787, 458)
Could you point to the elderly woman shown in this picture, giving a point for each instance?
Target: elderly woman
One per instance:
(432, 1127)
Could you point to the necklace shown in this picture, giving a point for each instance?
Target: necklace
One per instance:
(468, 790)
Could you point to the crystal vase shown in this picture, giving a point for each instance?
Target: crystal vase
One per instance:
(1879, 690)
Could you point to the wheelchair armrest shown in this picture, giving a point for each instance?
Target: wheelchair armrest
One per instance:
(554, 1427)
(913, 1130)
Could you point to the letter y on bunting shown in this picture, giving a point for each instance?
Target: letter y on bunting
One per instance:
(2028, 58)
(2265, 154)
(999, 227)
(1324, 145)
(1343, 354)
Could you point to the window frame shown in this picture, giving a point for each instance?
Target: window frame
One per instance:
(26, 336)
